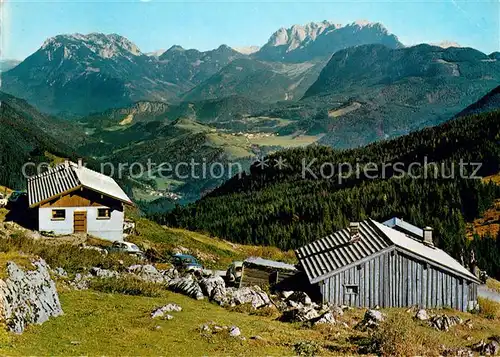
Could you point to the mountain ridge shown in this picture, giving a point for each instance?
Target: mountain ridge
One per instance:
(322, 39)
(110, 71)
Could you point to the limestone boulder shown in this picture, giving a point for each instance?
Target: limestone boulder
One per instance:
(28, 297)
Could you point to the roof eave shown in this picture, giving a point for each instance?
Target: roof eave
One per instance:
(437, 265)
(33, 205)
(129, 203)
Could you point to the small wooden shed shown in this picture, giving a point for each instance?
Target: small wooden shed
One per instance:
(370, 264)
(264, 272)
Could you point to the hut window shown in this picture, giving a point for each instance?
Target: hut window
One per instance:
(58, 214)
(103, 213)
(351, 289)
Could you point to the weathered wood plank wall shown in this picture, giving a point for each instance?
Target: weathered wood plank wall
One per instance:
(394, 279)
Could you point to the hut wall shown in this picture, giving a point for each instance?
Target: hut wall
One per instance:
(394, 279)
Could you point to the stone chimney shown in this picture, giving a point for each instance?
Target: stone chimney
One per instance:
(428, 236)
(66, 164)
(354, 232)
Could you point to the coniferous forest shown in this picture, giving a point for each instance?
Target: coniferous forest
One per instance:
(285, 208)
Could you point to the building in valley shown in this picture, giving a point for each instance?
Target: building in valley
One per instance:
(71, 198)
(370, 264)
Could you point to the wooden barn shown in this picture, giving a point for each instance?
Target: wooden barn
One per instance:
(262, 272)
(370, 264)
(71, 198)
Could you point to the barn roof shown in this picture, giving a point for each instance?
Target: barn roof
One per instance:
(324, 257)
(68, 177)
(269, 263)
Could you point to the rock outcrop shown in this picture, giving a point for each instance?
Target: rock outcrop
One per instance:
(28, 297)
(147, 273)
(444, 322)
(162, 311)
(215, 288)
(187, 286)
(248, 295)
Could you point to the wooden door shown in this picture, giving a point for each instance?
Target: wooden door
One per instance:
(80, 222)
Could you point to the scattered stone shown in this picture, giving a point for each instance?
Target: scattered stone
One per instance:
(103, 273)
(286, 294)
(161, 311)
(81, 282)
(372, 319)
(234, 331)
(337, 311)
(60, 272)
(444, 322)
(326, 318)
(128, 226)
(299, 297)
(146, 273)
(257, 338)
(491, 348)
(458, 352)
(75, 343)
(299, 314)
(422, 315)
(91, 247)
(168, 317)
(28, 297)
(468, 323)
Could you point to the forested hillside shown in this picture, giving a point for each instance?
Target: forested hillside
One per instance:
(29, 136)
(283, 208)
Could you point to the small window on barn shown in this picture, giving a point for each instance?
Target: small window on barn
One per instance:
(58, 214)
(351, 289)
(103, 213)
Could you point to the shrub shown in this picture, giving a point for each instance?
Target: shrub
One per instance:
(128, 285)
(399, 335)
(489, 308)
(267, 311)
(306, 348)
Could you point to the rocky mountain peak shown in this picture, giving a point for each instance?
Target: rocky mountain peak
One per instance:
(105, 46)
(295, 35)
(301, 43)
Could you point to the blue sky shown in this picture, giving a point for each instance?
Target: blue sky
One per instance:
(205, 25)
